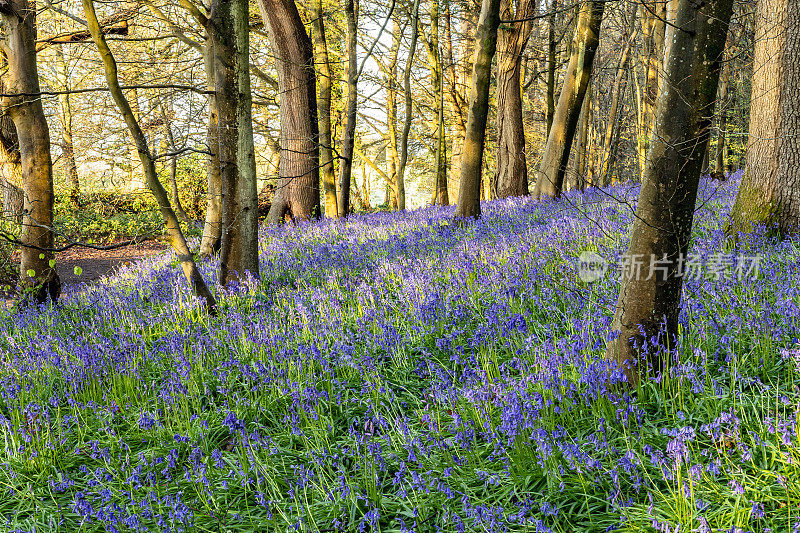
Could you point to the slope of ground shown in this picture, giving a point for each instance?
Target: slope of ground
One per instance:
(393, 372)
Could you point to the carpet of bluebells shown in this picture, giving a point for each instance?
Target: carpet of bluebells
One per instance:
(395, 372)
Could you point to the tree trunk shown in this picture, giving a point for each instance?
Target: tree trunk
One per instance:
(401, 166)
(38, 280)
(298, 185)
(722, 122)
(440, 195)
(174, 234)
(10, 167)
(469, 191)
(611, 134)
(349, 130)
(67, 146)
(556, 154)
(392, 156)
(325, 78)
(770, 190)
(212, 229)
(511, 178)
(649, 299)
(552, 45)
(173, 164)
(229, 23)
(582, 143)
(458, 104)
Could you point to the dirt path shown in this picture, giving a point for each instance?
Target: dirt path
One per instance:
(95, 264)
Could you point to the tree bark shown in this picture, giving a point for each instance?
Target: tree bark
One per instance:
(646, 318)
(552, 45)
(174, 234)
(38, 279)
(440, 195)
(349, 129)
(298, 195)
(10, 167)
(550, 178)
(511, 177)
(325, 85)
(229, 23)
(212, 229)
(392, 151)
(770, 190)
(469, 191)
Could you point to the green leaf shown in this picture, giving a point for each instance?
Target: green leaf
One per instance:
(78, 271)
(52, 263)
(31, 272)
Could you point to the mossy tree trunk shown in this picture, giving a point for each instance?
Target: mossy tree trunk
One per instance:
(550, 178)
(469, 191)
(325, 84)
(649, 299)
(770, 190)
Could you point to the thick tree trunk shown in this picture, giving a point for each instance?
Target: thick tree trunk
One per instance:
(770, 190)
(511, 178)
(298, 194)
(550, 177)
(325, 78)
(67, 146)
(38, 280)
(10, 168)
(650, 296)
(212, 229)
(469, 191)
(229, 24)
(349, 129)
(174, 234)
(403, 158)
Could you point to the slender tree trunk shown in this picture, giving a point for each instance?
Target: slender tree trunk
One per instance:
(38, 279)
(173, 165)
(511, 178)
(582, 142)
(457, 100)
(67, 146)
(174, 234)
(435, 65)
(212, 229)
(649, 299)
(392, 156)
(325, 84)
(349, 130)
(611, 133)
(770, 190)
(469, 191)
(722, 122)
(556, 155)
(401, 166)
(298, 194)
(552, 45)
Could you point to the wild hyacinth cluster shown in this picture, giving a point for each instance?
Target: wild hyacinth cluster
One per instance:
(394, 372)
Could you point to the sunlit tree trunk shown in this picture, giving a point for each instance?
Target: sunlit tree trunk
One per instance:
(469, 191)
(174, 234)
(550, 177)
(650, 296)
(440, 195)
(403, 156)
(38, 279)
(212, 228)
(325, 81)
(770, 190)
(722, 122)
(511, 178)
(351, 109)
(392, 151)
